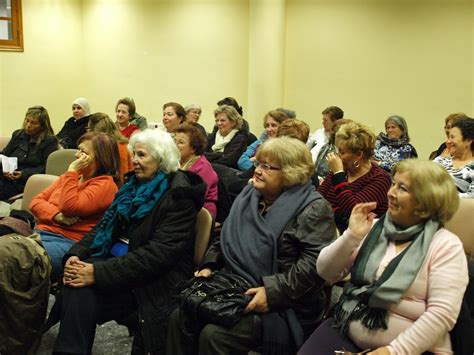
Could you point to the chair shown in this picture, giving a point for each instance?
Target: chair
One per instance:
(59, 160)
(3, 142)
(204, 225)
(462, 224)
(36, 184)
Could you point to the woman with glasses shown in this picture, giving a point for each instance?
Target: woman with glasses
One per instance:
(272, 238)
(31, 145)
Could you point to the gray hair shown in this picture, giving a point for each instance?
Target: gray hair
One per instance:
(161, 145)
(401, 123)
(190, 107)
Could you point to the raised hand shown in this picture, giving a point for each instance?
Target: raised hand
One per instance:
(362, 218)
(80, 163)
(334, 162)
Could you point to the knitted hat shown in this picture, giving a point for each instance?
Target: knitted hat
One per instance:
(84, 104)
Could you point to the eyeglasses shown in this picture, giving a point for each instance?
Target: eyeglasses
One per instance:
(264, 166)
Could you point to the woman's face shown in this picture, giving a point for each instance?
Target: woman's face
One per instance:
(393, 131)
(144, 164)
(32, 126)
(170, 119)
(447, 127)
(193, 115)
(456, 144)
(402, 204)
(224, 125)
(77, 111)
(267, 178)
(182, 141)
(349, 159)
(122, 114)
(271, 127)
(86, 149)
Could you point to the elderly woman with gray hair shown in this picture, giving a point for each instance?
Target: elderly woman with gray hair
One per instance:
(394, 145)
(272, 238)
(126, 268)
(193, 113)
(229, 141)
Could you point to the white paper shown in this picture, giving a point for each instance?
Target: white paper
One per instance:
(9, 164)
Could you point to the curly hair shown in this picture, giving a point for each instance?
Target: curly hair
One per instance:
(356, 138)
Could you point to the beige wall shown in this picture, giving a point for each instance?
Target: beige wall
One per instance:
(373, 58)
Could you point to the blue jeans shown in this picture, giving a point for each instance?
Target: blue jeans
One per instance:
(56, 246)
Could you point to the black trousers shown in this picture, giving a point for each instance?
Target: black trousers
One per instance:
(83, 308)
(9, 188)
(187, 337)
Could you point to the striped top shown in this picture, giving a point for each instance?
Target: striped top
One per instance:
(344, 195)
(463, 177)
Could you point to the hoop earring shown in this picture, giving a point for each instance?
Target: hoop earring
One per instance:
(356, 164)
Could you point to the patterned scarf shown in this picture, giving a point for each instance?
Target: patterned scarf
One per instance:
(394, 142)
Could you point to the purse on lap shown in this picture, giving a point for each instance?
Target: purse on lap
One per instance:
(218, 299)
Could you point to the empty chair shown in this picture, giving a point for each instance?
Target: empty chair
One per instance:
(58, 161)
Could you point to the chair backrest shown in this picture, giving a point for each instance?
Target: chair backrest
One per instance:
(59, 160)
(3, 142)
(34, 185)
(204, 225)
(462, 224)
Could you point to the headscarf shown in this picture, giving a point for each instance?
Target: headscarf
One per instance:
(84, 104)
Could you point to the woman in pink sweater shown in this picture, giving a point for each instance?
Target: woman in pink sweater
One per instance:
(75, 202)
(408, 273)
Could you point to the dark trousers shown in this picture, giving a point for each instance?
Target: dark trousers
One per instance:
(9, 188)
(186, 337)
(82, 309)
(325, 340)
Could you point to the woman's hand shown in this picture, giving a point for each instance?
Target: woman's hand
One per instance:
(69, 269)
(380, 351)
(13, 176)
(259, 301)
(80, 163)
(334, 162)
(79, 274)
(63, 220)
(203, 273)
(362, 218)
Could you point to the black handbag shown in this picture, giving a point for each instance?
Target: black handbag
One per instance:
(217, 299)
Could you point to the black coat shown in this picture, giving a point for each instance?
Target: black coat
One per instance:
(71, 131)
(160, 255)
(232, 151)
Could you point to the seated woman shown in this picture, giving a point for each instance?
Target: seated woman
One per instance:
(271, 122)
(394, 145)
(32, 144)
(193, 113)
(443, 149)
(101, 122)
(75, 126)
(192, 144)
(227, 144)
(460, 165)
(173, 116)
(124, 111)
(271, 238)
(74, 203)
(132, 259)
(408, 273)
(353, 177)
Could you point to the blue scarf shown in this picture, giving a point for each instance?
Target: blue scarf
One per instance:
(132, 202)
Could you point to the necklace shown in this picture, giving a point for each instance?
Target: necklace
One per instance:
(189, 163)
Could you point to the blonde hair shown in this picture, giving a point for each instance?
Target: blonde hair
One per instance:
(356, 138)
(231, 114)
(433, 188)
(293, 157)
(294, 128)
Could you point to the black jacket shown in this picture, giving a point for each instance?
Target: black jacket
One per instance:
(71, 131)
(31, 158)
(297, 284)
(160, 255)
(232, 151)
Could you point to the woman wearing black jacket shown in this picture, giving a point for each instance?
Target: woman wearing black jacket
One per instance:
(131, 261)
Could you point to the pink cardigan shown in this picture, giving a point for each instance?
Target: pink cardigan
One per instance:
(204, 169)
(429, 308)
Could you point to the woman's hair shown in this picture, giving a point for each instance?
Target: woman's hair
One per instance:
(41, 114)
(466, 126)
(401, 123)
(230, 101)
(84, 104)
(276, 115)
(357, 138)
(197, 141)
(190, 107)
(161, 146)
(433, 188)
(289, 113)
(454, 117)
(101, 122)
(294, 128)
(106, 153)
(231, 114)
(178, 109)
(293, 157)
(335, 113)
(127, 101)
(337, 124)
